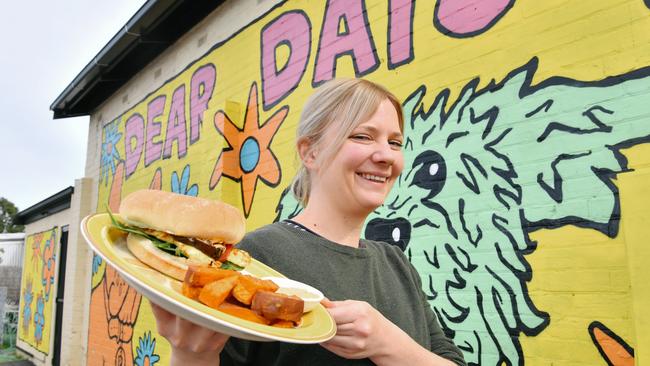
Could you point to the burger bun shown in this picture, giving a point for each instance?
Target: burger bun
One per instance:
(184, 215)
(145, 250)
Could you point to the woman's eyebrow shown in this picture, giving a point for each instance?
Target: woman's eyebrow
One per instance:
(373, 129)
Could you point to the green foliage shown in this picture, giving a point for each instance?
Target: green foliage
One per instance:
(8, 213)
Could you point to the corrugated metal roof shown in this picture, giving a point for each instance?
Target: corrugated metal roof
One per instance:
(11, 249)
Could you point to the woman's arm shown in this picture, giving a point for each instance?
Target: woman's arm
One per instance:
(363, 332)
(191, 344)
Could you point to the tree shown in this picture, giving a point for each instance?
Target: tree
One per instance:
(8, 213)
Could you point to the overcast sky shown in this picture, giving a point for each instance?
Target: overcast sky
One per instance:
(44, 45)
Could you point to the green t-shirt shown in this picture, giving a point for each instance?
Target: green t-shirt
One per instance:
(377, 273)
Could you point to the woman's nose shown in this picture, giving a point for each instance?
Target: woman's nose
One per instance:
(384, 153)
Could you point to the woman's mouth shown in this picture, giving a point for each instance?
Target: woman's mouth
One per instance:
(373, 178)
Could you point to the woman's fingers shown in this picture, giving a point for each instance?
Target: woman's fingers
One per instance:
(183, 334)
(164, 320)
(347, 342)
(347, 347)
(160, 313)
(345, 311)
(326, 302)
(360, 329)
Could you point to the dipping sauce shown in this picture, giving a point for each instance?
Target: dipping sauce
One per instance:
(303, 294)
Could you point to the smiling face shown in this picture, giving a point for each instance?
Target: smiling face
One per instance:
(359, 177)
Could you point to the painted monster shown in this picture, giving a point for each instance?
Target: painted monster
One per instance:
(483, 172)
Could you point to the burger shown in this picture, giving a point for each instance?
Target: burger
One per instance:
(169, 232)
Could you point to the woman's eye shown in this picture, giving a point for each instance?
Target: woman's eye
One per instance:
(396, 143)
(360, 137)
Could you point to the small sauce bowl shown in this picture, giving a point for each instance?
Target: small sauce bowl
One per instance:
(311, 296)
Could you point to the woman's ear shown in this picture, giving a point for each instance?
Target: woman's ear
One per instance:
(307, 153)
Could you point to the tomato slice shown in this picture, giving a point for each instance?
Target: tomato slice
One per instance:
(226, 253)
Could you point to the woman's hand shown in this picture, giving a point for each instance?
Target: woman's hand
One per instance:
(361, 330)
(191, 344)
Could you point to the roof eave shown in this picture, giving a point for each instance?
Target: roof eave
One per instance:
(153, 28)
(49, 206)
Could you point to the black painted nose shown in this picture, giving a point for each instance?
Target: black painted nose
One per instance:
(392, 231)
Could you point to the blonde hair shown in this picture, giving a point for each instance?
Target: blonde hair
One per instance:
(342, 104)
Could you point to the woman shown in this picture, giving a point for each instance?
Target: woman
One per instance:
(349, 140)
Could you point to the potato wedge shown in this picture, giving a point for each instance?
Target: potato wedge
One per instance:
(214, 293)
(242, 312)
(283, 324)
(191, 291)
(199, 276)
(247, 286)
(276, 306)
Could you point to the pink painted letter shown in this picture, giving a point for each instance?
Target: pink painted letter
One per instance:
(133, 130)
(153, 149)
(293, 30)
(201, 88)
(400, 32)
(176, 126)
(468, 18)
(355, 40)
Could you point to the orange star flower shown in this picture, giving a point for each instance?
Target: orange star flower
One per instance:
(248, 157)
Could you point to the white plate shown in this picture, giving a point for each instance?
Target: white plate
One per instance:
(317, 326)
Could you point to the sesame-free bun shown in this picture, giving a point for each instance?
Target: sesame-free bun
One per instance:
(143, 249)
(184, 215)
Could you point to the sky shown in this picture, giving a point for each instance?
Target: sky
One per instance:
(43, 47)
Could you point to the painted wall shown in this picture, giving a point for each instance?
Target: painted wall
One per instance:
(36, 310)
(524, 200)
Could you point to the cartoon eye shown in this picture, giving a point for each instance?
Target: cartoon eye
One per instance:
(395, 231)
(431, 172)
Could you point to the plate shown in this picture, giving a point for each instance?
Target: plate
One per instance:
(317, 326)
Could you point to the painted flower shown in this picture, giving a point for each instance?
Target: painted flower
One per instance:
(97, 262)
(248, 157)
(28, 296)
(36, 250)
(145, 351)
(49, 264)
(39, 319)
(110, 154)
(181, 185)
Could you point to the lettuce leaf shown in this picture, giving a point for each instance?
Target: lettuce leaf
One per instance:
(230, 265)
(167, 247)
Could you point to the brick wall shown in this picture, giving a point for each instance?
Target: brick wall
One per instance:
(528, 126)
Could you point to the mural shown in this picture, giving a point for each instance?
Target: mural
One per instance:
(471, 206)
(520, 118)
(37, 294)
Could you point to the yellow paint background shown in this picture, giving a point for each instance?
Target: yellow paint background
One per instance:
(579, 275)
(566, 36)
(37, 287)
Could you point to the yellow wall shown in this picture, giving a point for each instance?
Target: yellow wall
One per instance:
(35, 317)
(534, 115)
